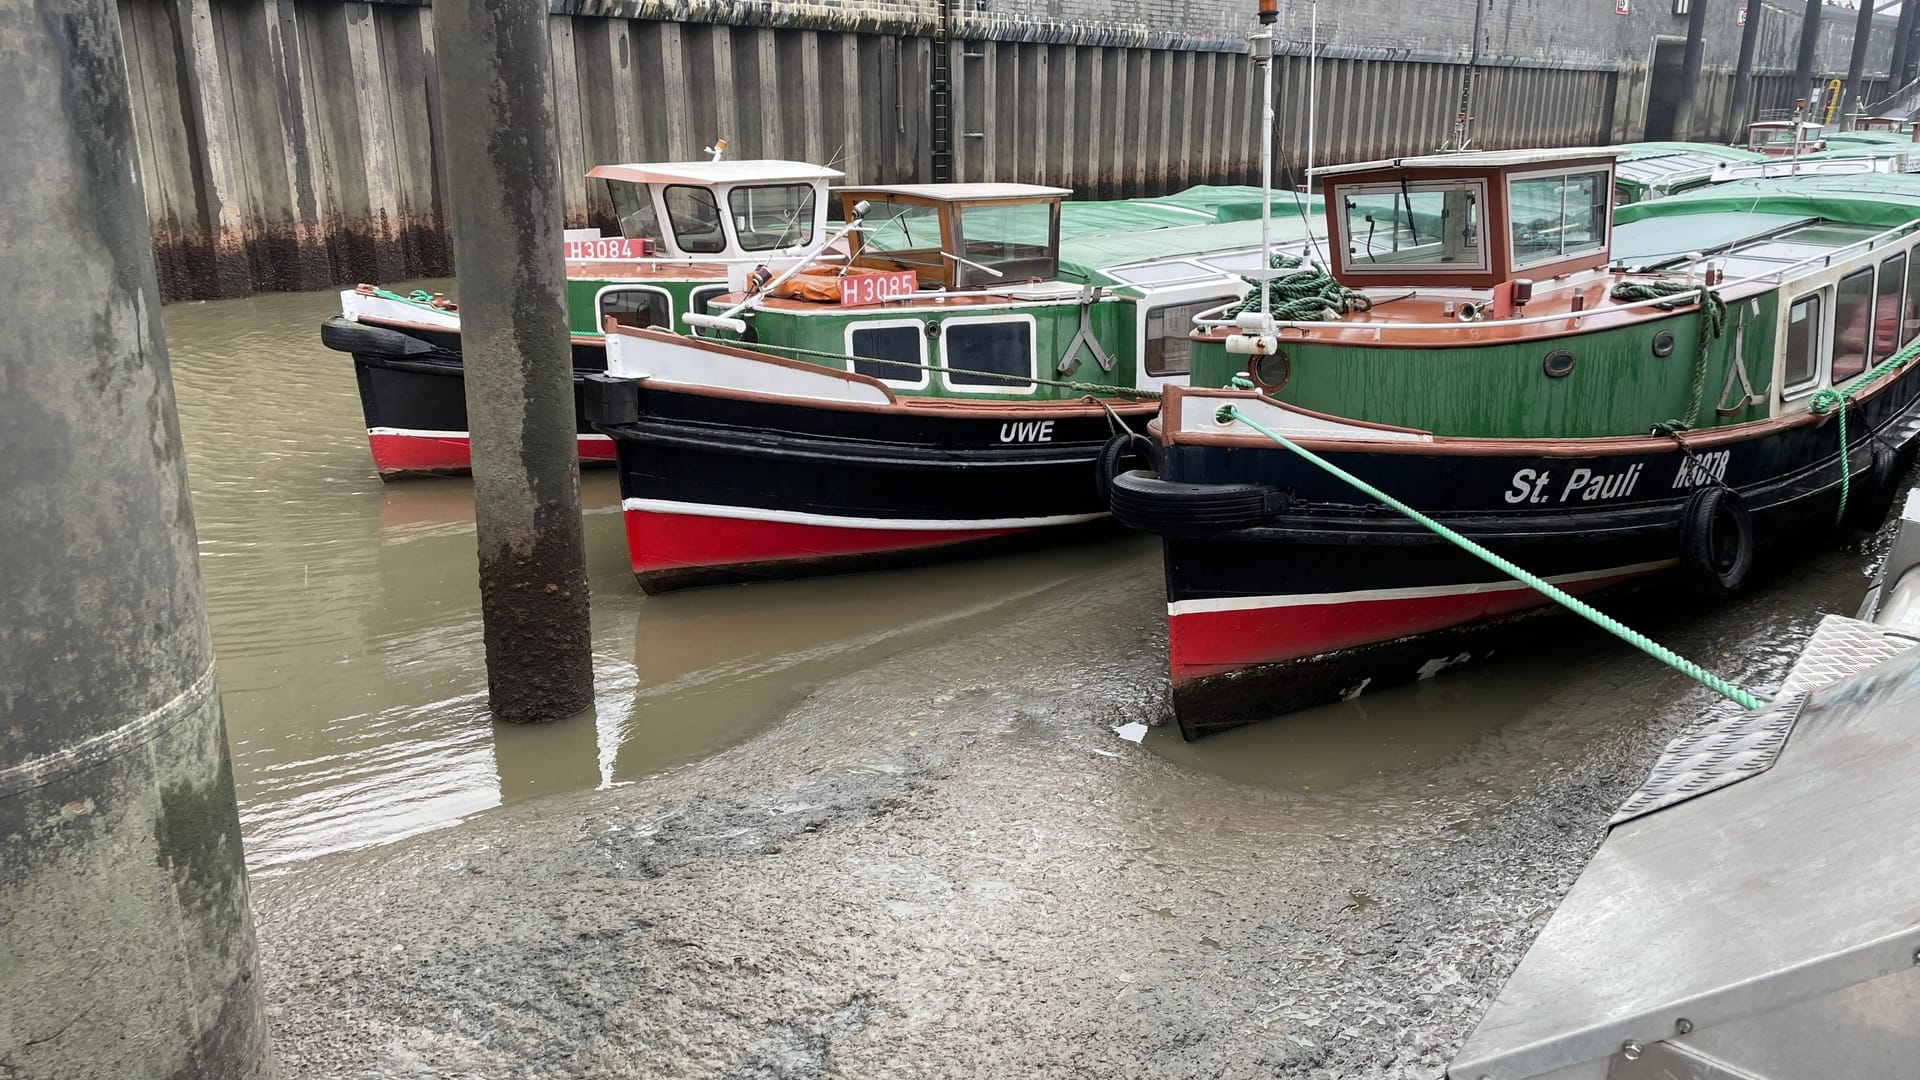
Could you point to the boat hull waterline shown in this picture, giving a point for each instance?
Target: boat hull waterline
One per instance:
(1330, 597)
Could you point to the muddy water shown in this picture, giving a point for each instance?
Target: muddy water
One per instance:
(346, 620)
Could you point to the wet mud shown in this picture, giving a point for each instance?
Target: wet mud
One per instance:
(882, 825)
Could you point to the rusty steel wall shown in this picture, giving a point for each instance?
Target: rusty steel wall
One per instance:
(293, 144)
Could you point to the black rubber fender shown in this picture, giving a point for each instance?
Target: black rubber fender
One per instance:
(1716, 541)
(1140, 499)
(342, 334)
(1872, 492)
(1124, 452)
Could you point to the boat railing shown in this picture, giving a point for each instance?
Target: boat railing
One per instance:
(1210, 319)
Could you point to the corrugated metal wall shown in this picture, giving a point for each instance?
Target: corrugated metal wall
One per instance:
(288, 144)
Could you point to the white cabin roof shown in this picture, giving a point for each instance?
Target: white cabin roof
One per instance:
(1473, 160)
(744, 171)
(964, 192)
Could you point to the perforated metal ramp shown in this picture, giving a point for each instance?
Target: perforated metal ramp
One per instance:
(1757, 914)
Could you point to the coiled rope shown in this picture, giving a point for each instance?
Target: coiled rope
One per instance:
(1829, 399)
(1311, 295)
(1552, 592)
(1713, 323)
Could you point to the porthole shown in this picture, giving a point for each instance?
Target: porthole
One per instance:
(933, 329)
(1558, 364)
(1663, 343)
(1270, 372)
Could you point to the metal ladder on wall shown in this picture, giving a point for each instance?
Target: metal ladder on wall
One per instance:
(943, 95)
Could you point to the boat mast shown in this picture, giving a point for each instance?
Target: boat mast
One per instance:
(1313, 82)
(1263, 55)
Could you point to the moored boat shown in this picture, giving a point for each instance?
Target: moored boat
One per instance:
(950, 390)
(677, 247)
(1596, 424)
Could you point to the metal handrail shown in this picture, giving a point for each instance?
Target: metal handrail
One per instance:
(1203, 321)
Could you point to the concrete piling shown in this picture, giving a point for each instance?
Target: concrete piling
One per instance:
(1691, 103)
(1739, 114)
(126, 941)
(1857, 64)
(497, 104)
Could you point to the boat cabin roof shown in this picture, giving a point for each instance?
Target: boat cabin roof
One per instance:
(962, 193)
(1480, 159)
(744, 171)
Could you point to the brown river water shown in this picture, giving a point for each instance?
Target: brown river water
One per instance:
(346, 620)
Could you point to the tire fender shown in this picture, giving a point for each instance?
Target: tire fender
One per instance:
(344, 335)
(1142, 500)
(1716, 541)
(1124, 452)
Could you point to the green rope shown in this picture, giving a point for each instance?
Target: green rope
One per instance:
(1578, 607)
(1829, 399)
(418, 297)
(1713, 323)
(1309, 296)
(1081, 387)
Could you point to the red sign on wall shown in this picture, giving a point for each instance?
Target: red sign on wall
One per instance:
(610, 247)
(1620, 7)
(1740, 19)
(858, 289)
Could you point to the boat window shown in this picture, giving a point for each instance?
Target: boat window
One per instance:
(637, 306)
(1852, 323)
(973, 351)
(695, 218)
(1169, 349)
(769, 216)
(1888, 322)
(1006, 243)
(1557, 215)
(633, 205)
(698, 298)
(902, 341)
(1912, 329)
(1429, 225)
(1774, 136)
(904, 235)
(1803, 342)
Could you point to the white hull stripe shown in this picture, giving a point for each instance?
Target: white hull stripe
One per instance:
(1361, 596)
(419, 433)
(834, 521)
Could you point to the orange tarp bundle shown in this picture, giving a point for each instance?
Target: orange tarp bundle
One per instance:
(821, 286)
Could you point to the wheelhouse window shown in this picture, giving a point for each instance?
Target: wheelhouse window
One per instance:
(698, 298)
(770, 216)
(1889, 323)
(974, 351)
(633, 205)
(1852, 324)
(870, 346)
(1912, 317)
(695, 218)
(1554, 216)
(1005, 243)
(1169, 346)
(1803, 343)
(639, 307)
(905, 235)
(1431, 225)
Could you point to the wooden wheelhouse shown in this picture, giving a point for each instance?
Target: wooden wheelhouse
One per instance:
(1783, 138)
(958, 236)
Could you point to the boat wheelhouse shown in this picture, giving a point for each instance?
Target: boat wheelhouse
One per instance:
(686, 229)
(1737, 385)
(953, 387)
(1785, 138)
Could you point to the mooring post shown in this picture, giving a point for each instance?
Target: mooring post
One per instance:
(126, 941)
(1690, 58)
(1857, 63)
(1743, 73)
(496, 93)
(1803, 65)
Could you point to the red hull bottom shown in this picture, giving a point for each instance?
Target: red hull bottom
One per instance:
(677, 550)
(1207, 643)
(448, 453)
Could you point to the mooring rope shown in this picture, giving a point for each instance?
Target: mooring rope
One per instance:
(1552, 592)
(1829, 399)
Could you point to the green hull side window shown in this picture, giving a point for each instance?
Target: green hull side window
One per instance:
(1803, 342)
(1889, 327)
(1852, 324)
